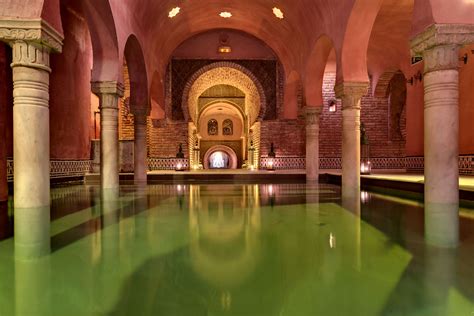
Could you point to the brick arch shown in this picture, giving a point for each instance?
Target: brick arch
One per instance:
(383, 84)
(225, 73)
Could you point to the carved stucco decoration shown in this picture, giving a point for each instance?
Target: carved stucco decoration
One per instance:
(228, 74)
(31, 31)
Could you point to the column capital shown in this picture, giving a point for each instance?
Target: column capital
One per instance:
(30, 54)
(351, 93)
(108, 87)
(442, 35)
(312, 114)
(31, 31)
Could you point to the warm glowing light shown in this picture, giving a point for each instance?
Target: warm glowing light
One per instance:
(225, 15)
(365, 167)
(270, 165)
(270, 190)
(364, 196)
(278, 13)
(332, 241)
(225, 49)
(179, 167)
(174, 12)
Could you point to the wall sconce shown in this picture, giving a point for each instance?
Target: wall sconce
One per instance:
(419, 76)
(464, 59)
(332, 106)
(224, 45)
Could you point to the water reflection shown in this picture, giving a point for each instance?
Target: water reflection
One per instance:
(238, 250)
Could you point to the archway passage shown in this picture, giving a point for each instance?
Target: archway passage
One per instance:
(221, 157)
(224, 103)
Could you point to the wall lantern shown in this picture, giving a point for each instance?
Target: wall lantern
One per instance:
(179, 167)
(270, 165)
(332, 106)
(224, 44)
(365, 167)
(464, 59)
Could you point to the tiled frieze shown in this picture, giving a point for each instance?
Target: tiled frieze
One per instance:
(167, 163)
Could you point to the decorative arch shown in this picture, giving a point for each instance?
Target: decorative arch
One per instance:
(139, 100)
(228, 127)
(212, 127)
(225, 73)
(315, 70)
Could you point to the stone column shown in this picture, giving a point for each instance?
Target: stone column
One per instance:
(439, 46)
(140, 149)
(312, 143)
(351, 94)
(109, 92)
(31, 41)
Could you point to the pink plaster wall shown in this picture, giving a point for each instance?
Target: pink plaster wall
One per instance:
(70, 92)
(466, 103)
(5, 105)
(204, 46)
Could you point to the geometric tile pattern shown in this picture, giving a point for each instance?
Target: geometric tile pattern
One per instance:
(284, 163)
(415, 164)
(72, 168)
(466, 165)
(167, 163)
(60, 168)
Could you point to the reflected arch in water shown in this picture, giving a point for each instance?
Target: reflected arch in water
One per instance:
(224, 237)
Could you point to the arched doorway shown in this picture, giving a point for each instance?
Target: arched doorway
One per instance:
(220, 157)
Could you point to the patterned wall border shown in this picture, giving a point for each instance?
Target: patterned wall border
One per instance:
(77, 168)
(166, 163)
(60, 168)
(282, 163)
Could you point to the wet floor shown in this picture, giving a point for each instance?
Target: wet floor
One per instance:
(286, 249)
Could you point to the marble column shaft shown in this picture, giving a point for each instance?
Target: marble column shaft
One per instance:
(31, 148)
(312, 143)
(109, 92)
(140, 150)
(439, 46)
(351, 94)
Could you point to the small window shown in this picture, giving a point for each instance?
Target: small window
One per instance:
(228, 128)
(212, 127)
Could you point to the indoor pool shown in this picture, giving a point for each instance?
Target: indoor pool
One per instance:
(269, 249)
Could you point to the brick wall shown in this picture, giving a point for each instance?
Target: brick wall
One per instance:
(288, 137)
(164, 137)
(375, 116)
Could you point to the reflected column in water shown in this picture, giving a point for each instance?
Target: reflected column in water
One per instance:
(33, 287)
(352, 204)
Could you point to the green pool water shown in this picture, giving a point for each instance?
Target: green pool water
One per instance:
(281, 249)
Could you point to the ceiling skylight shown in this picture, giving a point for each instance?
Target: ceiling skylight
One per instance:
(225, 15)
(278, 13)
(174, 12)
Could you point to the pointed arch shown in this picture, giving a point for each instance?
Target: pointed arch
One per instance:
(139, 100)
